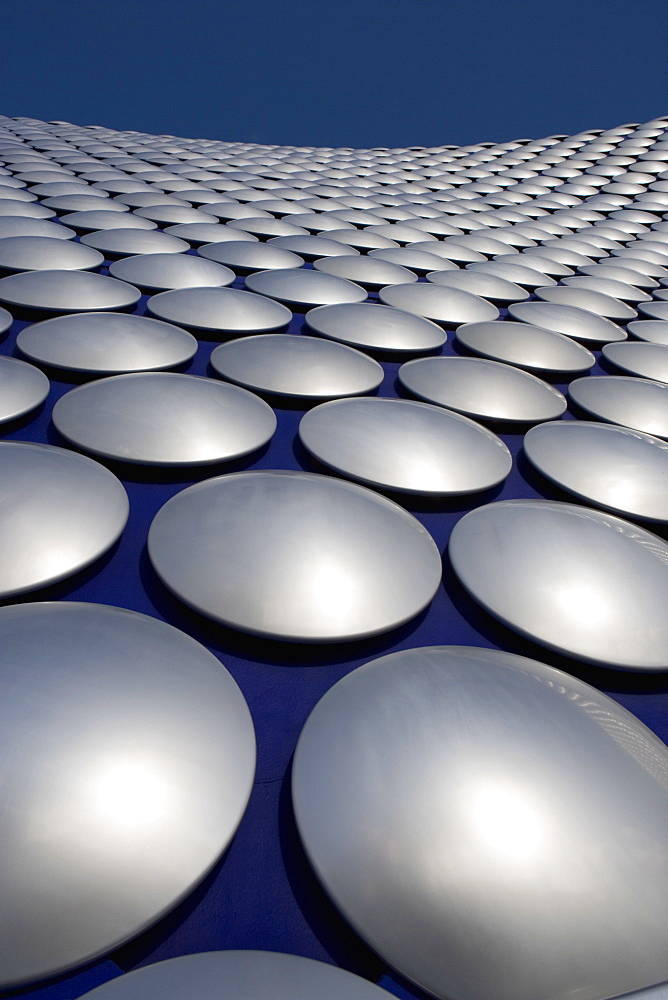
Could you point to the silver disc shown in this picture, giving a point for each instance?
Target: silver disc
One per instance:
(471, 813)
(244, 258)
(613, 467)
(220, 310)
(106, 343)
(164, 418)
(404, 446)
(293, 365)
(449, 306)
(369, 272)
(304, 289)
(22, 388)
(6, 320)
(59, 511)
(525, 346)
(632, 402)
(655, 331)
(570, 320)
(552, 572)
(130, 757)
(584, 298)
(239, 975)
(350, 563)
(376, 327)
(66, 291)
(479, 282)
(39, 253)
(126, 242)
(158, 272)
(484, 390)
(645, 360)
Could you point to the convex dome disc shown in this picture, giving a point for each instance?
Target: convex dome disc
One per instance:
(633, 402)
(130, 758)
(376, 327)
(293, 365)
(220, 310)
(449, 306)
(479, 282)
(484, 390)
(553, 572)
(244, 258)
(239, 975)
(369, 272)
(526, 346)
(303, 288)
(106, 343)
(59, 511)
(162, 271)
(637, 358)
(294, 556)
(584, 298)
(654, 331)
(66, 291)
(22, 388)
(125, 242)
(573, 322)
(38, 253)
(6, 320)
(447, 796)
(164, 418)
(405, 446)
(612, 467)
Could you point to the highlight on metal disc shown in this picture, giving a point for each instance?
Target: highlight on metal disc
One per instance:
(619, 399)
(449, 306)
(66, 291)
(226, 311)
(22, 388)
(376, 327)
(526, 346)
(351, 563)
(130, 757)
(304, 289)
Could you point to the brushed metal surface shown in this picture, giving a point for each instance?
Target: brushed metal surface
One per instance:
(59, 511)
(22, 388)
(643, 359)
(239, 975)
(220, 310)
(296, 366)
(106, 343)
(376, 327)
(472, 814)
(483, 390)
(39, 253)
(552, 572)
(526, 346)
(570, 320)
(66, 291)
(158, 272)
(449, 306)
(303, 288)
(612, 467)
(409, 447)
(129, 757)
(632, 402)
(350, 563)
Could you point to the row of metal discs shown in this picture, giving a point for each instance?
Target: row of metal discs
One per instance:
(508, 771)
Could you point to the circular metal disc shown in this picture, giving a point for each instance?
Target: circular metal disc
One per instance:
(312, 247)
(608, 286)
(165, 271)
(449, 306)
(303, 288)
(376, 327)
(569, 320)
(22, 388)
(93, 221)
(654, 310)
(405, 446)
(646, 360)
(631, 402)
(6, 320)
(106, 343)
(613, 467)
(164, 418)
(198, 233)
(484, 390)
(66, 291)
(448, 797)
(244, 258)
(220, 310)
(298, 366)
(38, 253)
(577, 580)
(415, 260)
(584, 298)
(520, 277)
(654, 331)
(239, 975)
(130, 757)
(369, 272)
(350, 563)
(59, 511)
(486, 285)
(125, 242)
(525, 346)
(33, 227)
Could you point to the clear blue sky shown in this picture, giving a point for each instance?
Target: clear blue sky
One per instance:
(337, 72)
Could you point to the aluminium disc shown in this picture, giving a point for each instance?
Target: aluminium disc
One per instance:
(66, 291)
(526, 346)
(225, 311)
(22, 388)
(617, 399)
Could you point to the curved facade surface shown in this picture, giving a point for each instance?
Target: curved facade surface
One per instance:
(486, 802)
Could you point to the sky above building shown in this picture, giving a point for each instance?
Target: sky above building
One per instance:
(358, 73)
